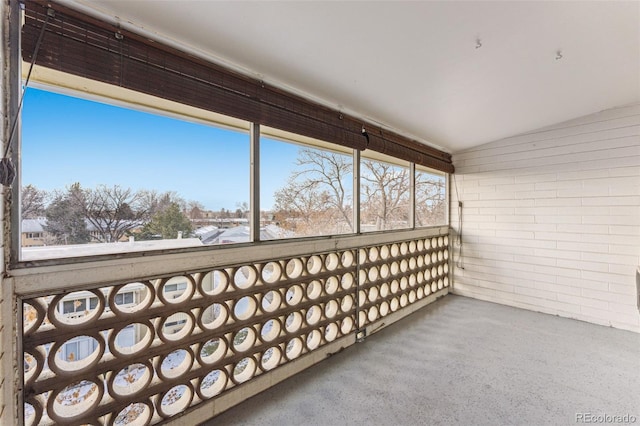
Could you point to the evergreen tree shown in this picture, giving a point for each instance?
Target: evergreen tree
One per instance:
(66, 219)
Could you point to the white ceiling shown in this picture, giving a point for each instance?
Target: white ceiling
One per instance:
(414, 66)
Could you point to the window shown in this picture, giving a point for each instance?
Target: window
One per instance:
(306, 191)
(124, 298)
(73, 306)
(385, 196)
(94, 174)
(431, 201)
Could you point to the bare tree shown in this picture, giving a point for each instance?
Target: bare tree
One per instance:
(33, 202)
(385, 194)
(317, 197)
(113, 211)
(430, 199)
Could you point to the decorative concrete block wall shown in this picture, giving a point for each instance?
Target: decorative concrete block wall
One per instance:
(551, 219)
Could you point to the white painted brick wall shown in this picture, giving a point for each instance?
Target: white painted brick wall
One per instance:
(551, 219)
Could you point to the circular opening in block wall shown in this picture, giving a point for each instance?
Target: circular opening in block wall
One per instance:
(434, 287)
(427, 289)
(212, 384)
(313, 340)
(420, 292)
(314, 289)
(440, 241)
(384, 309)
(72, 309)
(446, 254)
(314, 264)
(271, 272)
(244, 370)
(271, 358)
(373, 254)
(346, 326)
(176, 289)
(404, 300)
(395, 286)
(331, 309)
(176, 327)
(412, 246)
(245, 277)
(331, 332)
(395, 268)
(212, 350)
(440, 270)
(394, 304)
(271, 301)
(440, 256)
(445, 268)
(346, 281)
(404, 248)
(440, 284)
(314, 313)
(244, 339)
(434, 242)
(346, 259)
(331, 285)
(294, 295)
(346, 304)
(384, 271)
(175, 400)
(130, 339)
(384, 252)
(294, 348)
(76, 400)
(412, 263)
(293, 322)
(412, 296)
(420, 262)
(131, 379)
(446, 281)
(384, 290)
(270, 330)
(404, 265)
(373, 314)
(213, 282)
(175, 364)
(395, 250)
(373, 274)
(75, 355)
(420, 277)
(294, 268)
(244, 308)
(373, 294)
(134, 414)
(213, 316)
(332, 261)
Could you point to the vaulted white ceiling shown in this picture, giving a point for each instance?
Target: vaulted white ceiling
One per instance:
(451, 74)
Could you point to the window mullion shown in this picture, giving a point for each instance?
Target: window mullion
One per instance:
(254, 194)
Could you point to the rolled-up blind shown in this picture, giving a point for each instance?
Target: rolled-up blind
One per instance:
(82, 45)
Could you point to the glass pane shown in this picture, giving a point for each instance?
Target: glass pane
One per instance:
(385, 199)
(431, 199)
(95, 174)
(304, 191)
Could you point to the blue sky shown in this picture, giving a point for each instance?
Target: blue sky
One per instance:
(67, 140)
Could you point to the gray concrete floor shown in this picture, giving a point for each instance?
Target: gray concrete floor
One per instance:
(462, 361)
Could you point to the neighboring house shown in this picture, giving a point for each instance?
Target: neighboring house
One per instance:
(33, 233)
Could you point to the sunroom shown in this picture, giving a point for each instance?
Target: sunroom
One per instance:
(320, 212)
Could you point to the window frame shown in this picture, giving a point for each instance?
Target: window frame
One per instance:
(51, 80)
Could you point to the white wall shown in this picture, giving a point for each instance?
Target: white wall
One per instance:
(551, 219)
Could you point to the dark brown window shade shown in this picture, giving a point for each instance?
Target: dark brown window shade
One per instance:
(82, 45)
